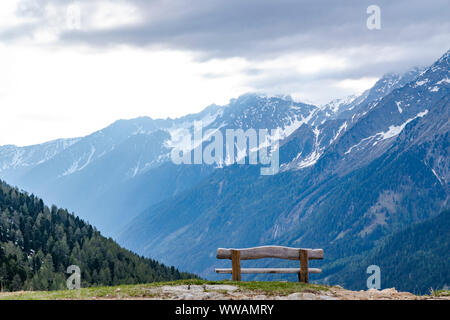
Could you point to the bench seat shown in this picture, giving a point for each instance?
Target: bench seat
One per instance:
(268, 270)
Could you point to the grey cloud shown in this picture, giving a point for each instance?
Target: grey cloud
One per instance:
(417, 31)
(16, 32)
(261, 28)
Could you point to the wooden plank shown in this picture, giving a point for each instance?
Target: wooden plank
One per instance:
(236, 265)
(270, 252)
(267, 270)
(303, 275)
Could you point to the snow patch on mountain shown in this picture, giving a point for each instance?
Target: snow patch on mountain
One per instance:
(336, 104)
(76, 164)
(341, 129)
(315, 154)
(434, 89)
(420, 83)
(398, 103)
(395, 130)
(390, 133)
(293, 124)
(88, 161)
(446, 80)
(13, 157)
(359, 143)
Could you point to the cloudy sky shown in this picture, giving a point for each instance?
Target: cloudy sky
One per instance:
(68, 68)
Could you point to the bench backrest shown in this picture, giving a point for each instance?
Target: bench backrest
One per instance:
(270, 252)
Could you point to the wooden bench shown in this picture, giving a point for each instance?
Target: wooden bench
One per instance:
(236, 255)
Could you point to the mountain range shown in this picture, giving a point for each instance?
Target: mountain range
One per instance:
(130, 159)
(352, 173)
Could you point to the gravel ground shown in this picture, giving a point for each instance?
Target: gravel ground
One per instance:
(232, 292)
(228, 292)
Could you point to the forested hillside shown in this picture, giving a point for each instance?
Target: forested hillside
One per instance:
(409, 260)
(38, 243)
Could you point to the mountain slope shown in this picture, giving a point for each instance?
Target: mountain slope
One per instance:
(411, 259)
(330, 122)
(38, 243)
(352, 107)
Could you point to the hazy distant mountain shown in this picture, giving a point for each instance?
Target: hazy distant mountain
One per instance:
(121, 170)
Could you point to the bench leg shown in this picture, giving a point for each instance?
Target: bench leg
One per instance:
(303, 275)
(236, 265)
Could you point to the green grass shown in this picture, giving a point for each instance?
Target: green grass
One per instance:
(145, 290)
(440, 293)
